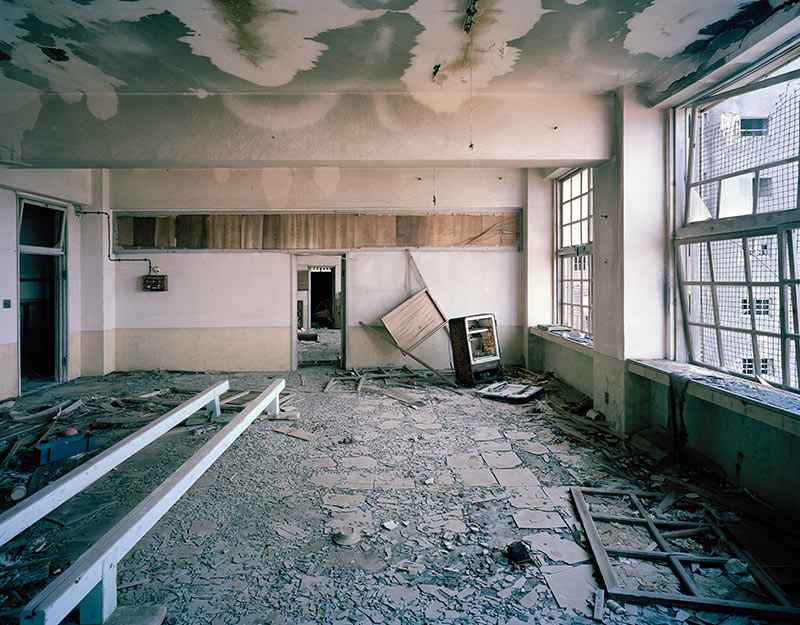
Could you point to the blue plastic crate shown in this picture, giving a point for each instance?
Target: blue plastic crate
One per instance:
(65, 448)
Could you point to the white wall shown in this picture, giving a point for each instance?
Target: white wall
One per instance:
(222, 311)
(317, 188)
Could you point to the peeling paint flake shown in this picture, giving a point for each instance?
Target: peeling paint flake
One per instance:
(666, 28)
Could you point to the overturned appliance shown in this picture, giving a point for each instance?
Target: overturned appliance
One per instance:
(476, 349)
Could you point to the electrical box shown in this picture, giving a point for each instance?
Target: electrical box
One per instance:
(154, 283)
(476, 349)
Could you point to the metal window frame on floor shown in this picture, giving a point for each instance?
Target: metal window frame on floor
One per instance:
(665, 554)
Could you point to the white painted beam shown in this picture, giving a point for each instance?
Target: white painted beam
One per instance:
(95, 566)
(38, 505)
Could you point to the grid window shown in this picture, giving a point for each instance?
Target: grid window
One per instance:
(740, 282)
(574, 256)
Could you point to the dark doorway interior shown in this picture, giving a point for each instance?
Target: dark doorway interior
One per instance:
(37, 317)
(322, 299)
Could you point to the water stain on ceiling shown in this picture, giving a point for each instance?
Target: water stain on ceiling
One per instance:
(75, 48)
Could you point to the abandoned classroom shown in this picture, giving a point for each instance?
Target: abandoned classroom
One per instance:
(400, 311)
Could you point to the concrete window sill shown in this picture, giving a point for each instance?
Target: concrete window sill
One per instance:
(775, 407)
(563, 341)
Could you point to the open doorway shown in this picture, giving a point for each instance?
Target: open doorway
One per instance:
(42, 325)
(320, 309)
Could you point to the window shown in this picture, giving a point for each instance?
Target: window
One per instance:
(739, 248)
(753, 126)
(574, 256)
(747, 366)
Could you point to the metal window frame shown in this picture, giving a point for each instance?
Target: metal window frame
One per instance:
(562, 251)
(743, 228)
(667, 555)
(786, 283)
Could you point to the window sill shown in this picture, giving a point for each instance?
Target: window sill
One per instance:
(775, 407)
(581, 345)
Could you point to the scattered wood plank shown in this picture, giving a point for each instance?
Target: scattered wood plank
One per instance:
(409, 354)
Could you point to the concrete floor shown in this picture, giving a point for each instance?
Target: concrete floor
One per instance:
(436, 493)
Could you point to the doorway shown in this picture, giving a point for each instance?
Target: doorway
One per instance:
(41, 295)
(319, 297)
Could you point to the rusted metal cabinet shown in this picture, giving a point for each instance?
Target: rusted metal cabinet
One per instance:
(476, 349)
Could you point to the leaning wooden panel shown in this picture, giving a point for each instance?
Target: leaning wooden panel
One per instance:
(414, 320)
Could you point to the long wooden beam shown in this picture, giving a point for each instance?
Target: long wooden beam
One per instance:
(29, 511)
(409, 354)
(91, 581)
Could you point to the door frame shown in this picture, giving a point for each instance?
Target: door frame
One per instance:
(59, 254)
(342, 256)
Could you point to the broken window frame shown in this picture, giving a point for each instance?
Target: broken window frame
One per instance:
(567, 254)
(739, 229)
(666, 554)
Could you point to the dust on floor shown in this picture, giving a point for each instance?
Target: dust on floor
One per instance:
(426, 499)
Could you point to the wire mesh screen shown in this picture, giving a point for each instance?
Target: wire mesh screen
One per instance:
(746, 155)
(732, 301)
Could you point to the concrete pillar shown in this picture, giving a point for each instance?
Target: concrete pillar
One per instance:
(538, 253)
(630, 252)
(98, 295)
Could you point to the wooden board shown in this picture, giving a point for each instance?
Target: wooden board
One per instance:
(412, 231)
(414, 320)
(316, 231)
(252, 232)
(190, 232)
(144, 231)
(165, 232)
(125, 231)
(224, 232)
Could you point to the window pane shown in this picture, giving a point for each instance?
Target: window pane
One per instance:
(728, 260)
(41, 226)
(576, 234)
(736, 347)
(566, 189)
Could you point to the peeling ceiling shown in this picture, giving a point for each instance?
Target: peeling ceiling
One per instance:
(79, 47)
(140, 83)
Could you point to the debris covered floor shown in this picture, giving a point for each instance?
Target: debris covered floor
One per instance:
(422, 500)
